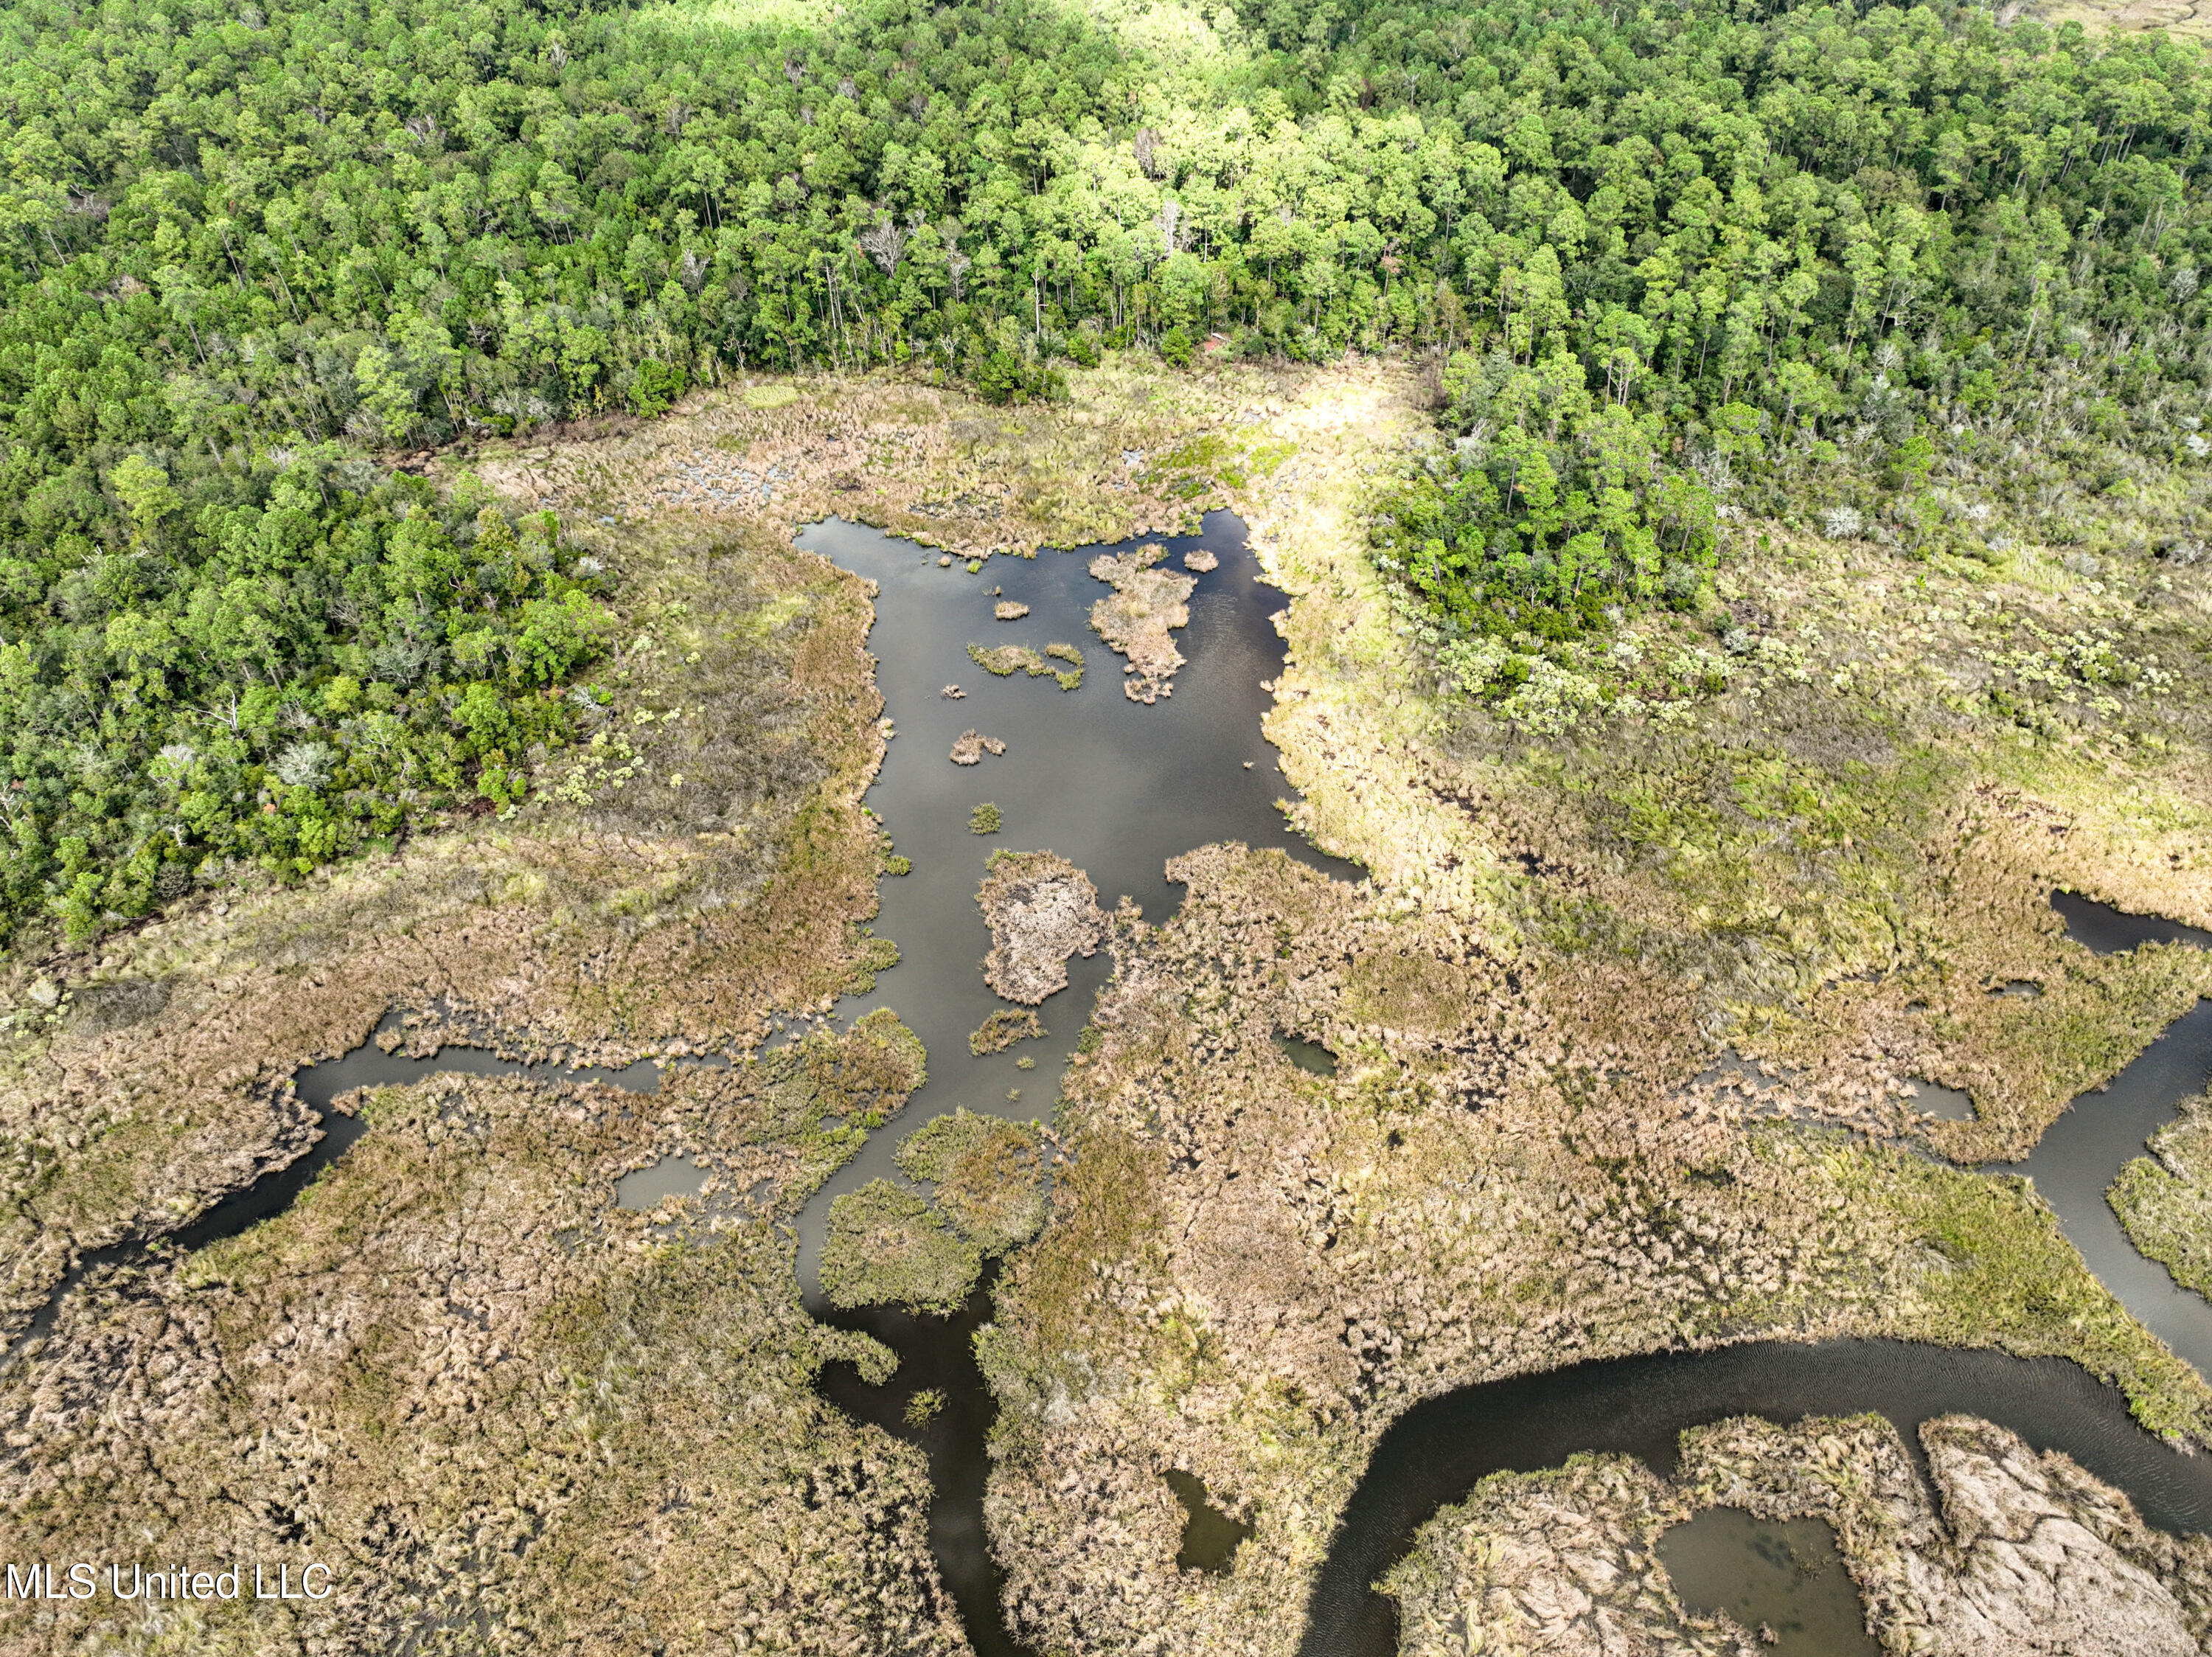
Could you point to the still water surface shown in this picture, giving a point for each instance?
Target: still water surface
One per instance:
(1114, 786)
(1118, 787)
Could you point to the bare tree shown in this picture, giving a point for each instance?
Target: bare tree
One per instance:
(884, 242)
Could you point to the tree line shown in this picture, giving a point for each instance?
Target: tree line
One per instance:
(1931, 277)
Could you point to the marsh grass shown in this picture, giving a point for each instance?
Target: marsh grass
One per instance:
(886, 1245)
(988, 1173)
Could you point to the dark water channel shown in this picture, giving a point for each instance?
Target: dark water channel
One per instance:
(1114, 786)
(1118, 787)
(951, 1423)
(317, 1086)
(370, 1066)
(2081, 1153)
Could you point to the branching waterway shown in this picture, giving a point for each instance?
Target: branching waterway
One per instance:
(1117, 788)
(2080, 1155)
(317, 1086)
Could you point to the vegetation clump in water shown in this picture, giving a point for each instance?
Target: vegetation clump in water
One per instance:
(886, 1245)
(1041, 909)
(1003, 1029)
(985, 818)
(1004, 659)
(1147, 604)
(1067, 652)
(2164, 1200)
(970, 745)
(1007, 658)
(988, 1172)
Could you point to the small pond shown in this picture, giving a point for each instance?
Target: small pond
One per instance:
(1784, 1578)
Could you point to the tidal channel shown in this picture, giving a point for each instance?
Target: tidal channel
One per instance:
(1118, 787)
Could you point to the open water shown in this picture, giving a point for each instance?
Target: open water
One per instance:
(1118, 787)
(1114, 786)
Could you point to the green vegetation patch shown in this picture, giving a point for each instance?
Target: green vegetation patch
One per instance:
(1003, 1029)
(1007, 658)
(2164, 1200)
(1995, 1269)
(866, 1075)
(264, 669)
(985, 818)
(988, 1172)
(1073, 676)
(874, 955)
(888, 1247)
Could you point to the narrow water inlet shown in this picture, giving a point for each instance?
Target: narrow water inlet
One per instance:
(1210, 1537)
(370, 1066)
(2105, 930)
(937, 1363)
(317, 1086)
(1116, 787)
(2080, 1155)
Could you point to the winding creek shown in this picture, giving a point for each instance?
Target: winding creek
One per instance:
(1118, 787)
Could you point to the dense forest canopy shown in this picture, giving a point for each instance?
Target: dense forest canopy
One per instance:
(1933, 279)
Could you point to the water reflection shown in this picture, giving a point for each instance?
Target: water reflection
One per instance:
(1116, 787)
(673, 1175)
(1210, 1537)
(1308, 1056)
